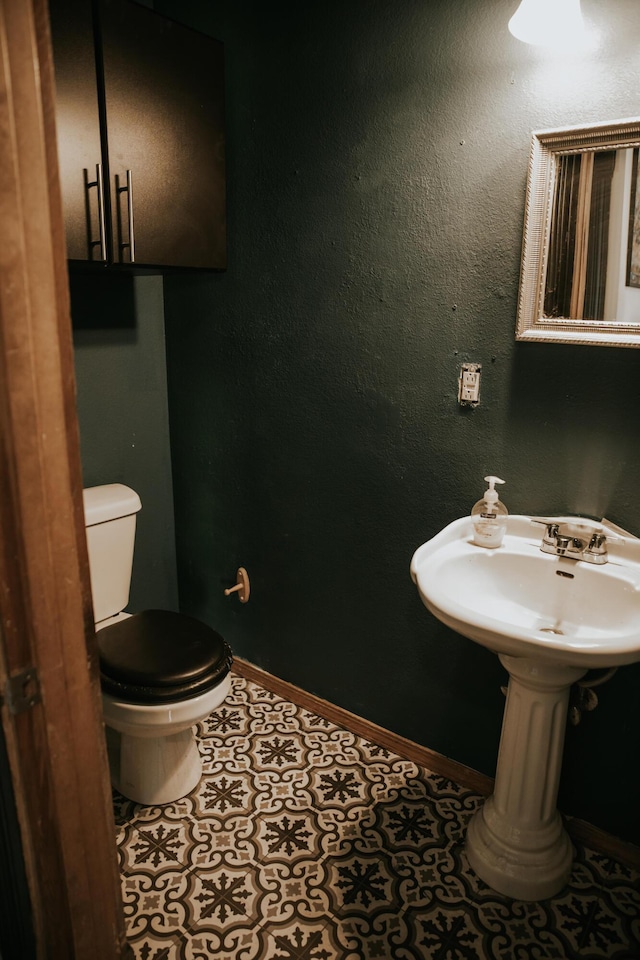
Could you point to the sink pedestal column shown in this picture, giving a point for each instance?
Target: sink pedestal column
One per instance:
(516, 843)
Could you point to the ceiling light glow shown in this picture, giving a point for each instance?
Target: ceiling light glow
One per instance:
(554, 24)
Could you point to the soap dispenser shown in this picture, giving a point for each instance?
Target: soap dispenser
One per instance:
(489, 517)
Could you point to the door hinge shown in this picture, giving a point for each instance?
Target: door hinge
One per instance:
(22, 691)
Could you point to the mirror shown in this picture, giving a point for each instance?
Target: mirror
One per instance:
(580, 274)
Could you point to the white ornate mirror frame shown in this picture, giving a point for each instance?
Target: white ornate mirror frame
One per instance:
(548, 148)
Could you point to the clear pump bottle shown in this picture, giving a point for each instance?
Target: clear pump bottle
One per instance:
(489, 517)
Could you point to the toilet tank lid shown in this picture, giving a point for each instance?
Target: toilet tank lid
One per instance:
(109, 502)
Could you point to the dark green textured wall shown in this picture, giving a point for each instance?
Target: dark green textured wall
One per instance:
(377, 156)
(118, 323)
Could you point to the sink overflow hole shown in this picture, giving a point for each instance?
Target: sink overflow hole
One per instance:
(556, 630)
(563, 573)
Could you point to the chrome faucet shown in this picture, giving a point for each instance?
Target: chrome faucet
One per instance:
(558, 539)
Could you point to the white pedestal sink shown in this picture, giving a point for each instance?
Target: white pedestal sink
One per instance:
(549, 619)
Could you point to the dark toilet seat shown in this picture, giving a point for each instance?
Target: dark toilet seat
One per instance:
(158, 656)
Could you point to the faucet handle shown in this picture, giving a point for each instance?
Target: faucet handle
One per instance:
(597, 541)
(596, 550)
(552, 533)
(551, 529)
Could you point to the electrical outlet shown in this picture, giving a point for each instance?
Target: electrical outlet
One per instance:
(469, 385)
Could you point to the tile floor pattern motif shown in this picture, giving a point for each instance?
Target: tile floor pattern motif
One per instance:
(306, 842)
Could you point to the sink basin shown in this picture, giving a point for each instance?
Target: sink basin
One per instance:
(549, 619)
(521, 602)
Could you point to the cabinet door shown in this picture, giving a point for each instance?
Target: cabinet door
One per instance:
(78, 128)
(164, 104)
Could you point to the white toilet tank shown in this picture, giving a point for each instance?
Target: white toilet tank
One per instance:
(110, 518)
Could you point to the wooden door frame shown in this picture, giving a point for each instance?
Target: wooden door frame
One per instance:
(55, 747)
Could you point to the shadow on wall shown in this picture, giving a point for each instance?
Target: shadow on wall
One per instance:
(573, 431)
(103, 300)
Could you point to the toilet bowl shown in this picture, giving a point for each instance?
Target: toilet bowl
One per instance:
(153, 754)
(161, 672)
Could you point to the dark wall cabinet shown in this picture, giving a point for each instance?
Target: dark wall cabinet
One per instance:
(140, 119)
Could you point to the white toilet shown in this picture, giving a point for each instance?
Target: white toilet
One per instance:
(161, 672)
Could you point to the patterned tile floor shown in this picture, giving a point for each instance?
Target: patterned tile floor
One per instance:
(306, 842)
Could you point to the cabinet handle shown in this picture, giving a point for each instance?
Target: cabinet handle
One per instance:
(99, 184)
(131, 244)
(101, 221)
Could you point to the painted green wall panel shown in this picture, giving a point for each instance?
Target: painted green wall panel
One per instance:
(118, 323)
(377, 158)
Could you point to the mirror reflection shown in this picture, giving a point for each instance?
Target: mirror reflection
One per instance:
(593, 269)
